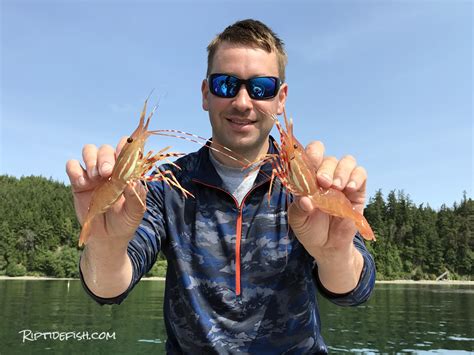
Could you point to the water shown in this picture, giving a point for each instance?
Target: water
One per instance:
(404, 319)
(417, 319)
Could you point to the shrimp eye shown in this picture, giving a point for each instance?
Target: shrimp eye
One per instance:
(129, 140)
(295, 146)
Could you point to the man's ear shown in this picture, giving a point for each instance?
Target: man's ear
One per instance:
(205, 95)
(282, 98)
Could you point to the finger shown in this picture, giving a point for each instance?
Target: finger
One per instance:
(77, 175)
(304, 204)
(135, 203)
(106, 160)
(343, 171)
(356, 188)
(315, 152)
(120, 145)
(299, 211)
(89, 155)
(357, 180)
(325, 173)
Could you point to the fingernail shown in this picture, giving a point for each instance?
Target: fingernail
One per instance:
(81, 181)
(94, 172)
(351, 184)
(326, 177)
(106, 168)
(337, 182)
(304, 206)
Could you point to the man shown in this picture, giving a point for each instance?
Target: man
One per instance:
(238, 279)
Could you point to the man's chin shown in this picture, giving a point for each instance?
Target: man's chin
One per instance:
(246, 146)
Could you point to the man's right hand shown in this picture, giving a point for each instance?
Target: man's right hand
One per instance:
(105, 264)
(119, 223)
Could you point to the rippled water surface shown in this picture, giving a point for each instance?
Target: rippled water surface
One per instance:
(404, 319)
(411, 319)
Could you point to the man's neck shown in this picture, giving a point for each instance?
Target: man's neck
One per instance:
(238, 159)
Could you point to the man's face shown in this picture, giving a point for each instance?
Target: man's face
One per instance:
(238, 123)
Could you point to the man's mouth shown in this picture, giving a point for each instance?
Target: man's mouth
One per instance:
(240, 122)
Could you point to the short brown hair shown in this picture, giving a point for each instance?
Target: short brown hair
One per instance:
(252, 33)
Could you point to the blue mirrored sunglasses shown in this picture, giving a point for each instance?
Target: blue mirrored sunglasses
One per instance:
(258, 88)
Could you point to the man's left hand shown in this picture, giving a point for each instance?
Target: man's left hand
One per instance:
(327, 238)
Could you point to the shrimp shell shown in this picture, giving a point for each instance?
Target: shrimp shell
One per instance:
(295, 171)
(131, 165)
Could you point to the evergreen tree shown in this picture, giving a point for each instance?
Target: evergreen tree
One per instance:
(39, 232)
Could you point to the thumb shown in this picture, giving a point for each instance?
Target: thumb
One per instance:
(135, 203)
(299, 212)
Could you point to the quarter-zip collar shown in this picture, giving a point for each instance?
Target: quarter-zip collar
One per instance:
(207, 174)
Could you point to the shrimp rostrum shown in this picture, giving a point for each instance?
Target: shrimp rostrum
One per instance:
(131, 165)
(295, 171)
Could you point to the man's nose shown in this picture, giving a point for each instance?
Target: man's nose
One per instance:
(242, 101)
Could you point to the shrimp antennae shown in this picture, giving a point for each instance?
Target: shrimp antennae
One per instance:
(200, 140)
(216, 147)
(149, 95)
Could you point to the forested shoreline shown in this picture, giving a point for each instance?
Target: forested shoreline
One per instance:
(39, 233)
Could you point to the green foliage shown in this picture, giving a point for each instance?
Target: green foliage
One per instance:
(158, 270)
(38, 229)
(39, 233)
(47, 262)
(15, 270)
(3, 262)
(63, 262)
(68, 260)
(416, 242)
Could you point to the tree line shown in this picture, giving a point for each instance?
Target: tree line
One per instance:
(39, 233)
(418, 242)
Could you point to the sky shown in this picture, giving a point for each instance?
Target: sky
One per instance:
(389, 82)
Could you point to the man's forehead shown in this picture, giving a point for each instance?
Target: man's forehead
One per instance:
(226, 45)
(230, 55)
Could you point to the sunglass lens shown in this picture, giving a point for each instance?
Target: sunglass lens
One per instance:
(263, 87)
(224, 85)
(259, 88)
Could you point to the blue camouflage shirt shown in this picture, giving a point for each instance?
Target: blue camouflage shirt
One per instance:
(238, 280)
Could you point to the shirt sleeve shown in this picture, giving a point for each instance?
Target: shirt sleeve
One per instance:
(365, 286)
(143, 249)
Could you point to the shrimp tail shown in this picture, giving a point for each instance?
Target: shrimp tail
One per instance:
(364, 228)
(85, 232)
(334, 203)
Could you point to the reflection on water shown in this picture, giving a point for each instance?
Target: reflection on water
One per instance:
(416, 319)
(403, 318)
(156, 341)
